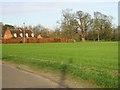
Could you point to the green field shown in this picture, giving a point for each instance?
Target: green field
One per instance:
(93, 61)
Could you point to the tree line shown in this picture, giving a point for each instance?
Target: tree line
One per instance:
(80, 26)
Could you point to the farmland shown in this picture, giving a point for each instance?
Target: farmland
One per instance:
(93, 61)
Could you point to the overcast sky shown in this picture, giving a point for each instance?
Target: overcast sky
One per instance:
(47, 12)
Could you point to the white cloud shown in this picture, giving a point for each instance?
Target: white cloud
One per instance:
(59, 0)
(29, 7)
(13, 8)
(27, 10)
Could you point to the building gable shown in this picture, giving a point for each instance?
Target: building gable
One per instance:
(8, 34)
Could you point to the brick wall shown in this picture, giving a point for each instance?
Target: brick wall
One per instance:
(63, 40)
(35, 40)
(32, 40)
(13, 40)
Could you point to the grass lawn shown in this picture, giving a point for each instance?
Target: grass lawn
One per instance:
(93, 61)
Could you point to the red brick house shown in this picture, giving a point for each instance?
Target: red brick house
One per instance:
(20, 35)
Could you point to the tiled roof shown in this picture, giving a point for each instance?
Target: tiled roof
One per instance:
(22, 32)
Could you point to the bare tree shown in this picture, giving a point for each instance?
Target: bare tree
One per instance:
(103, 25)
(38, 29)
(68, 23)
(84, 22)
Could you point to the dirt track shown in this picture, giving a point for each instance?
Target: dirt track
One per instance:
(14, 78)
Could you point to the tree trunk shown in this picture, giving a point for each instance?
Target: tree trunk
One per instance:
(98, 37)
(83, 37)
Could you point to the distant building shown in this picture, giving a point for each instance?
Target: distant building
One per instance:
(18, 32)
(39, 36)
(20, 35)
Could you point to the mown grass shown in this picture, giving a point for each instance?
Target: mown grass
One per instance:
(93, 61)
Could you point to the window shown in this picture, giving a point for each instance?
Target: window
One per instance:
(32, 35)
(15, 35)
(26, 34)
(21, 34)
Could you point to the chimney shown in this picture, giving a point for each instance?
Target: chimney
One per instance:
(8, 28)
